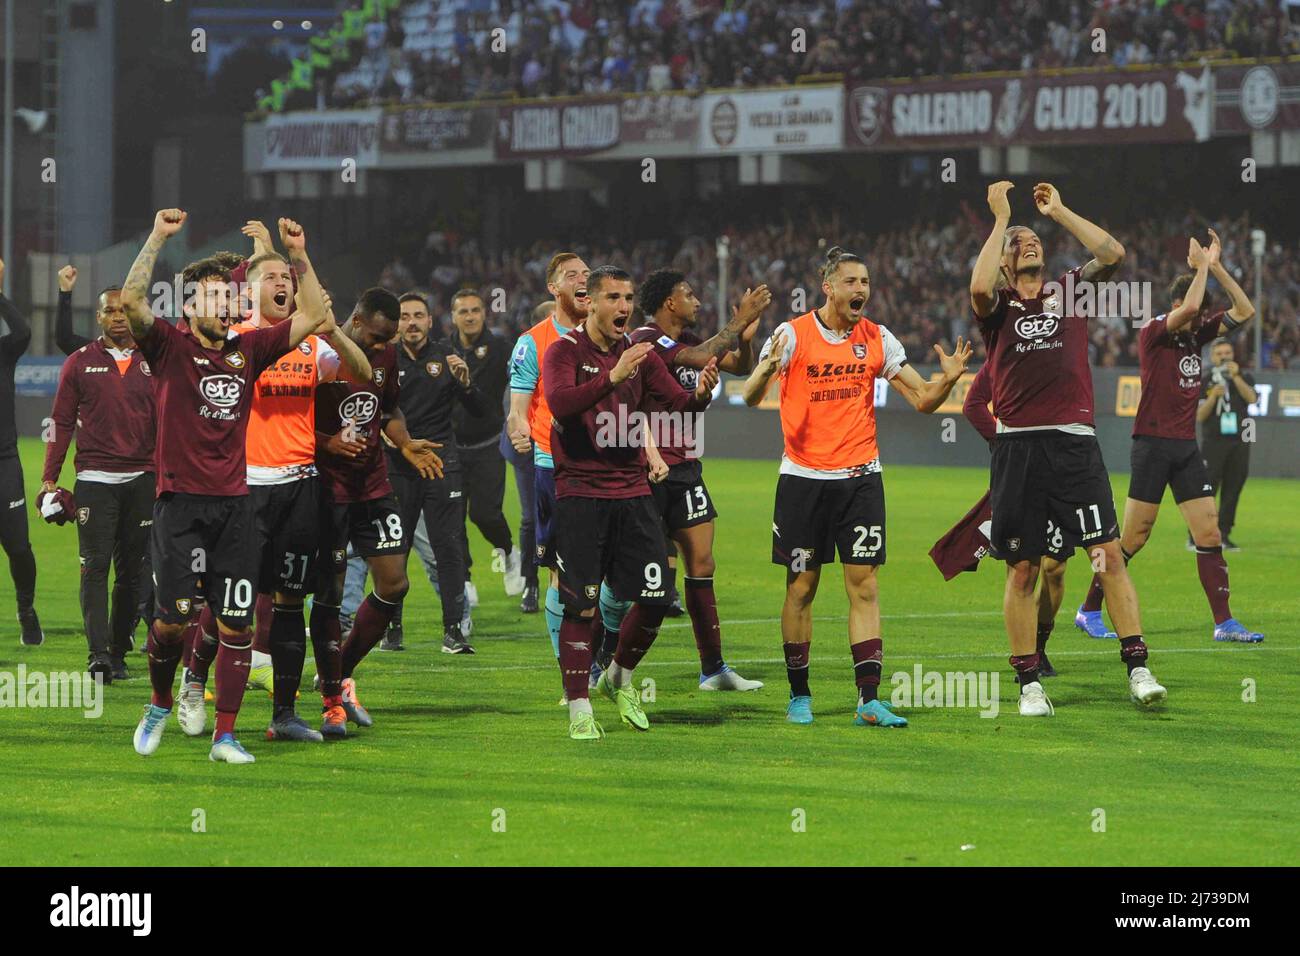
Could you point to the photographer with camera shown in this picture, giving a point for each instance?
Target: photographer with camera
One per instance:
(1226, 393)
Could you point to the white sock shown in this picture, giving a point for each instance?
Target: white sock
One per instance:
(259, 660)
(580, 706)
(619, 675)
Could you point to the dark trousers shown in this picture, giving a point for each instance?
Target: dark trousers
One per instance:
(483, 476)
(14, 533)
(442, 503)
(113, 527)
(1228, 463)
(522, 462)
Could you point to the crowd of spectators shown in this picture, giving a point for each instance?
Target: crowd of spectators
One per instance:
(919, 274)
(460, 50)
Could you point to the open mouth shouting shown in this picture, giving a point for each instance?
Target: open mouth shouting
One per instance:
(281, 299)
(857, 303)
(620, 323)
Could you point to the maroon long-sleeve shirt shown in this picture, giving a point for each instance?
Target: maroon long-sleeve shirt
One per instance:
(106, 401)
(976, 407)
(596, 440)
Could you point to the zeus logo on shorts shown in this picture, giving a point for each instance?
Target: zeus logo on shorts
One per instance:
(1190, 365)
(360, 408)
(221, 391)
(1040, 326)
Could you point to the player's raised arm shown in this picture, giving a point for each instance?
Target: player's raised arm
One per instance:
(984, 277)
(729, 346)
(925, 396)
(776, 353)
(166, 223)
(1181, 317)
(312, 315)
(261, 236)
(353, 364)
(67, 340)
(1242, 310)
(1107, 253)
(567, 399)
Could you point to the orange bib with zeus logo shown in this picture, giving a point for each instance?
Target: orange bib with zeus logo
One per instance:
(828, 411)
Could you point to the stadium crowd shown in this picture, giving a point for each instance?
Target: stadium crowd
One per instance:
(919, 275)
(442, 50)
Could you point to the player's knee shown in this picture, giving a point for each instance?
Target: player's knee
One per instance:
(701, 566)
(393, 589)
(1023, 577)
(1053, 571)
(800, 592)
(168, 633)
(1209, 537)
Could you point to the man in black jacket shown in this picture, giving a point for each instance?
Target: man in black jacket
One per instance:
(479, 436)
(1226, 396)
(433, 380)
(13, 511)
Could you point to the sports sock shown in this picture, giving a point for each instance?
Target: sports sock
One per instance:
(702, 606)
(1095, 596)
(368, 629)
(1044, 634)
(233, 653)
(326, 647)
(638, 633)
(1213, 569)
(1133, 652)
(575, 655)
(579, 705)
(554, 615)
(205, 646)
(1026, 667)
(263, 618)
(796, 668)
(288, 640)
(164, 656)
(867, 658)
(188, 637)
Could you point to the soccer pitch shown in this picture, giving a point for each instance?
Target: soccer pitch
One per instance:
(469, 762)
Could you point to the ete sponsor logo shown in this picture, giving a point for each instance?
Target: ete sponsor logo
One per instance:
(222, 391)
(77, 909)
(359, 408)
(1189, 365)
(1037, 326)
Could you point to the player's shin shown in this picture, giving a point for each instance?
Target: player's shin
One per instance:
(327, 648)
(234, 652)
(867, 660)
(288, 644)
(638, 633)
(702, 605)
(554, 618)
(1213, 572)
(575, 657)
(372, 620)
(205, 646)
(164, 650)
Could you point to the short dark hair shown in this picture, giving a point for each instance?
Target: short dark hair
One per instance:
(1221, 340)
(834, 257)
(1178, 291)
(256, 261)
(657, 289)
(209, 268)
(231, 260)
(378, 300)
(602, 274)
(466, 293)
(413, 297)
(103, 292)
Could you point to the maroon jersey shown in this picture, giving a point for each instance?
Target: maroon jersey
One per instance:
(597, 440)
(1171, 376)
(1039, 352)
(976, 406)
(672, 441)
(202, 399)
(365, 408)
(107, 401)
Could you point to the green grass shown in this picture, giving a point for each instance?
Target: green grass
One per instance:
(1209, 779)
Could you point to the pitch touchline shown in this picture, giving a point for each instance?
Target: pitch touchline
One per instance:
(1100, 652)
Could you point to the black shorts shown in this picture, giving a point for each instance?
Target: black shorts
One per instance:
(1050, 494)
(815, 517)
(372, 528)
(204, 546)
(682, 499)
(618, 540)
(544, 498)
(287, 523)
(1175, 462)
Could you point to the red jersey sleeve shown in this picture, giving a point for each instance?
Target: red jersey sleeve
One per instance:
(66, 401)
(563, 396)
(976, 407)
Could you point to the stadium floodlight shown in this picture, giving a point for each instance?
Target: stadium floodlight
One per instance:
(1258, 242)
(723, 250)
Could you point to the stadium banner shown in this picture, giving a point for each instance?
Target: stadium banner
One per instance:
(772, 121)
(575, 128)
(1147, 106)
(320, 140)
(38, 375)
(421, 130)
(1261, 97)
(659, 119)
